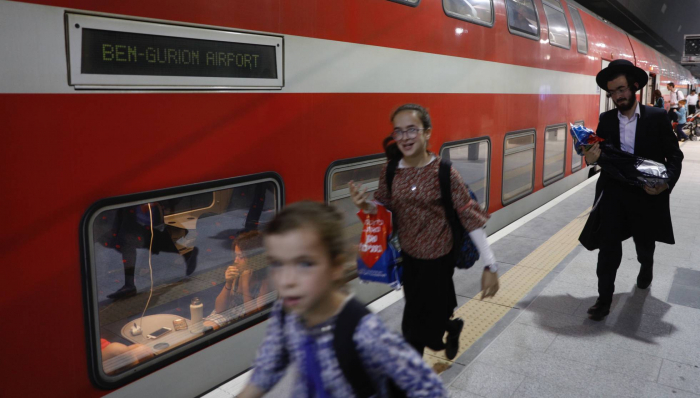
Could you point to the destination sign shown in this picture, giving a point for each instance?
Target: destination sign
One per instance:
(106, 52)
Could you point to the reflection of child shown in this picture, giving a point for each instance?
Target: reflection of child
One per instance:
(305, 251)
(129, 356)
(244, 284)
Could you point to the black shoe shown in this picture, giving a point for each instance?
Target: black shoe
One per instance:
(599, 310)
(644, 278)
(452, 344)
(191, 261)
(124, 292)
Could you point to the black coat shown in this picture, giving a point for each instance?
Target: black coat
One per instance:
(625, 210)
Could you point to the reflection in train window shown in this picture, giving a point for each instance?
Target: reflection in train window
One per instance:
(581, 38)
(576, 160)
(364, 171)
(554, 153)
(476, 11)
(174, 265)
(522, 18)
(472, 160)
(558, 26)
(518, 165)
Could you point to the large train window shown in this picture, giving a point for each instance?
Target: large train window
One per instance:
(576, 160)
(581, 37)
(558, 26)
(412, 3)
(168, 272)
(365, 171)
(475, 11)
(523, 19)
(518, 165)
(554, 153)
(472, 159)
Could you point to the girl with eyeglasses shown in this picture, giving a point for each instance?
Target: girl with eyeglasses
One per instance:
(424, 232)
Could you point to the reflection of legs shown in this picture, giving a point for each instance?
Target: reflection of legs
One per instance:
(129, 261)
(645, 256)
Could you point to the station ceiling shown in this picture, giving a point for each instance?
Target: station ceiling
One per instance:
(659, 23)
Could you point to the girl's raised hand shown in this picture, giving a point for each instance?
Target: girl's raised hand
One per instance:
(359, 197)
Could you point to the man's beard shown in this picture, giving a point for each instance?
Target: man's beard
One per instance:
(627, 105)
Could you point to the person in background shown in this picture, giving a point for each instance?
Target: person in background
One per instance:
(424, 232)
(657, 99)
(305, 250)
(692, 103)
(681, 116)
(676, 95)
(117, 357)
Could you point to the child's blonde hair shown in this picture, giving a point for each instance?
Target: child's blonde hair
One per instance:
(324, 219)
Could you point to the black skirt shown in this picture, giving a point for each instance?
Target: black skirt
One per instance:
(430, 299)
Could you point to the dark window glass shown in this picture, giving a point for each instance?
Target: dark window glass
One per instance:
(472, 161)
(554, 153)
(173, 265)
(518, 166)
(522, 18)
(476, 11)
(558, 26)
(581, 37)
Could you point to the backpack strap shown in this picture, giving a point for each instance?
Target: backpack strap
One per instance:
(390, 173)
(346, 351)
(444, 175)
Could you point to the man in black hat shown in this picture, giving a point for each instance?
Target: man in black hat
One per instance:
(623, 210)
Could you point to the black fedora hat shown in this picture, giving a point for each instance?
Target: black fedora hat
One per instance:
(621, 66)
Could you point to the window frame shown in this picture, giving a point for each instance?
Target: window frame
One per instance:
(345, 165)
(551, 4)
(469, 19)
(512, 134)
(89, 285)
(573, 151)
(521, 34)
(487, 139)
(406, 3)
(558, 177)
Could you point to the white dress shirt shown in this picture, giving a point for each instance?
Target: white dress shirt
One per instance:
(692, 99)
(676, 95)
(628, 130)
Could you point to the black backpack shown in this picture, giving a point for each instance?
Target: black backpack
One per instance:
(346, 352)
(464, 250)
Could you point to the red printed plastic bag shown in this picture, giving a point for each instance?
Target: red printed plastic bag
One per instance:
(378, 259)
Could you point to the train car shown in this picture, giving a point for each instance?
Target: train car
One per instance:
(146, 143)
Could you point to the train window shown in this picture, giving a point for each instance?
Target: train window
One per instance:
(476, 11)
(522, 18)
(518, 165)
(576, 160)
(472, 159)
(364, 170)
(554, 153)
(558, 26)
(173, 270)
(412, 3)
(581, 37)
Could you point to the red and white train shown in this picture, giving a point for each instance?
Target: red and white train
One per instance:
(86, 151)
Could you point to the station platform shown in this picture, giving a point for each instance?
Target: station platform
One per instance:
(534, 339)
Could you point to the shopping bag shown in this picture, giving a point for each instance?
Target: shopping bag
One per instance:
(379, 259)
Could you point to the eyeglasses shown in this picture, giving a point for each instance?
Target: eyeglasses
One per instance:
(619, 90)
(411, 132)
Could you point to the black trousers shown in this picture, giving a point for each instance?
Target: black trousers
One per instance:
(609, 259)
(691, 110)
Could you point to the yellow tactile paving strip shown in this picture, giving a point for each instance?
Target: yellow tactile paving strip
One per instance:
(479, 316)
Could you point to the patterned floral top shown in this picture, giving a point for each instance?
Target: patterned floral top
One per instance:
(424, 232)
(384, 355)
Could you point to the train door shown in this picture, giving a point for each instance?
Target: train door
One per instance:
(605, 100)
(651, 86)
